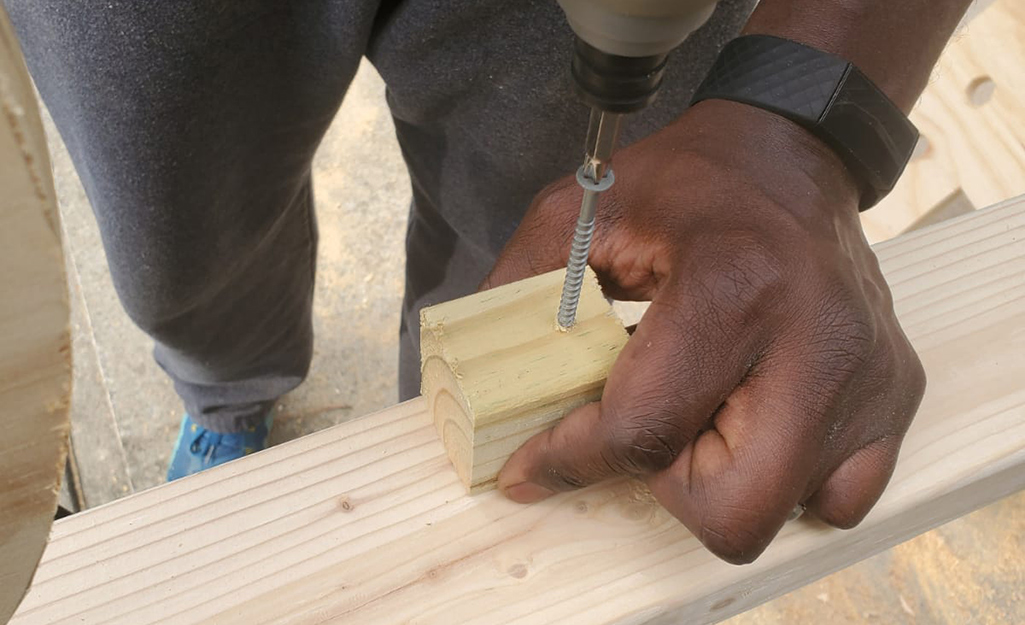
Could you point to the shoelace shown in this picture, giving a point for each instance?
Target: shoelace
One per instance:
(212, 439)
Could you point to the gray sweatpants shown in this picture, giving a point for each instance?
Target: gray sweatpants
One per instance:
(192, 124)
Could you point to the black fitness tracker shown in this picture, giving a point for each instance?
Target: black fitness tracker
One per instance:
(825, 94)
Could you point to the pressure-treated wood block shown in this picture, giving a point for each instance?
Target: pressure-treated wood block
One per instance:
(497, 369)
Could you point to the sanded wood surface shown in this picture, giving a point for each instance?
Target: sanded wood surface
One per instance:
(497, 369)
(368, 522)
(972, 120)
(35, 365)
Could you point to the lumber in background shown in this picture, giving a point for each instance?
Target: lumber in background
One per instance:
(367, 522)
(35, 350)
(972, 120)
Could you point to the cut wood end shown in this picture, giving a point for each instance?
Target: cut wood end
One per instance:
(496, 369)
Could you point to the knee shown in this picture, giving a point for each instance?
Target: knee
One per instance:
(158, 297)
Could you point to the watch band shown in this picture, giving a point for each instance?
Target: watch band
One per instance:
(825, 94)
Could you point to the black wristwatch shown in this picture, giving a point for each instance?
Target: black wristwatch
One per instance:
(825, 94)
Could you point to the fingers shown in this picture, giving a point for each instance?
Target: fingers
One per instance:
(739, 481)
(734, 415)
(667, 382)
(736, 485)
(562, 458)
(850, 492)
(857, 466)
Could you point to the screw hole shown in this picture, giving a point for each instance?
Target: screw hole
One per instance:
(981, 90)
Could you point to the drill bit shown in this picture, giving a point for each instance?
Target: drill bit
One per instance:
(595, 176)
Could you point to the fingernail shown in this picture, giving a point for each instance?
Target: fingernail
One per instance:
(527, 492)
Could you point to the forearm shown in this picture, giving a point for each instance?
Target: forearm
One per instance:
(894, 42)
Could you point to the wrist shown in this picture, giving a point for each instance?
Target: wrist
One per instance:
(792, 167)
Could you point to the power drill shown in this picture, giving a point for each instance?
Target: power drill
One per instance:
(618, 64)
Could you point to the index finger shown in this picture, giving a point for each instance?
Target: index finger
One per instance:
(737, 483)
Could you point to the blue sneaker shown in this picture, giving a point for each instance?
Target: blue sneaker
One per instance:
(198, 448)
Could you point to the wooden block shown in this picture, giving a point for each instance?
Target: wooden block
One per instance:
(35, 358)
(497, 369)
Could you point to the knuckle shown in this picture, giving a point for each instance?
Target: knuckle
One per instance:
(918, 383)
(647, 445)
(555, 199)
(563, 479)
(898, 379)
(556, 471)
(848, 506)
(733, 539)
(855, 487)
(845, 337)
(915, 377)
(842, 516)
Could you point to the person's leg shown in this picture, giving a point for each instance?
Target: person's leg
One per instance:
(193, 125)
(486, 116)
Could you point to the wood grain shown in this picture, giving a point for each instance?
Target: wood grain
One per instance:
(368, 522)
(35, 366)
(954, 205)
(971, 142)
(497, 369)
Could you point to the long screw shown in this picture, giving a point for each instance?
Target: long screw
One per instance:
(580, 250)
(595, 176)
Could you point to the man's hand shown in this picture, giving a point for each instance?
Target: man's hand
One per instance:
(770, 369)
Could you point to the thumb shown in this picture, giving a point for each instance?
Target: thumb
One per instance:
(564, 457)
(522, 258)
(542, 241)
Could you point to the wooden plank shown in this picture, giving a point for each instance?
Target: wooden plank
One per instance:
(35, 365)
(974, 10)
(497, 369)
(368, 522)
(970, 141)
(954, 205)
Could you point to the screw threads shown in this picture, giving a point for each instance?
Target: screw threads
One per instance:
(575, 272)
(594, 176)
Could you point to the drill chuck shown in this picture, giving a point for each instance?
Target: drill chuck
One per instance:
(618, 65)
(622, 45)
(614, 83)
